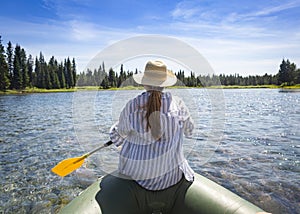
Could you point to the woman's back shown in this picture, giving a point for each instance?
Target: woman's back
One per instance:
(155, 163)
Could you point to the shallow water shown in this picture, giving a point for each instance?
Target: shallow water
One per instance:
(247, 140)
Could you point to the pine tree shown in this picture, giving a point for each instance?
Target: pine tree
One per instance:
(297, 76)
(98, 76)
(47, 78)
(105, 83)
(41, 72)
(122, 77)
(24, 69)
(53, 73)
(103, 67)
(39, 76)
(287, 73)
(68, 73)
(74, 73)
(4, 75)
(112, 78)
(17, 79)
(30, 70)
(61, 76)
(9, 54)
(282, 73)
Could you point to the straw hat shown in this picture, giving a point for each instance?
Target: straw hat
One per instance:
(156, 74)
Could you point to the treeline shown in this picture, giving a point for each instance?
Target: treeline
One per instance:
(111, 79)
(288, 74)
(236, 79)
(19, 71)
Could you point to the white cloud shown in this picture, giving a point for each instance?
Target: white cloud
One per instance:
(275, 9)
(185, 10)
(269, 13)
(83, 31)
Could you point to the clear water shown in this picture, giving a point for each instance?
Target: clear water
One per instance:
(249, 142)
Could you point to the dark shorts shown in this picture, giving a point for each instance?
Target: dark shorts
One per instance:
(123, 196)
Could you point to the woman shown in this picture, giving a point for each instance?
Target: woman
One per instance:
(150, 129)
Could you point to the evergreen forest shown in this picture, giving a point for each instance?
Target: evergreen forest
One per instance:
(288, 75)
(19, 71)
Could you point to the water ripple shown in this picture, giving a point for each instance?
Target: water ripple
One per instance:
(257, 156)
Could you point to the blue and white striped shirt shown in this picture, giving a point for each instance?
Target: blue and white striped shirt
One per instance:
(154, 164)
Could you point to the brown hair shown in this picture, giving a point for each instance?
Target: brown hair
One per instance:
(153, 113)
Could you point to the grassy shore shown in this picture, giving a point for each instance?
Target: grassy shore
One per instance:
(95, 88)
(37, 90)
(82, 88)
(244, 87)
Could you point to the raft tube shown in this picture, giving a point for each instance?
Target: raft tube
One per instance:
(202, 196)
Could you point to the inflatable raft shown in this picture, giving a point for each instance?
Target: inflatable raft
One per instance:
(202, 196)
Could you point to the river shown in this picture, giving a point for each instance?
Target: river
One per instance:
(247, 140)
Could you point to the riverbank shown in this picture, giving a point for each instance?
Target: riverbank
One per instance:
(95, 88)
(255, 86)
(38, 90)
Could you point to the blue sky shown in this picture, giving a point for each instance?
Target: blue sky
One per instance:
(235, 36)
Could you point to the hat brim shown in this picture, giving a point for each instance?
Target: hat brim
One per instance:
(143, 80)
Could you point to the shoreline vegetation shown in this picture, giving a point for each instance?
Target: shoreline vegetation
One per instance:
(96, 88)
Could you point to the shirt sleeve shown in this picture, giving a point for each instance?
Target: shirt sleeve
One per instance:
(119, 131)
(115, 137)
(188, 127)
(188, 122)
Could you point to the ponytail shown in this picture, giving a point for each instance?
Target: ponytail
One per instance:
(153, 114)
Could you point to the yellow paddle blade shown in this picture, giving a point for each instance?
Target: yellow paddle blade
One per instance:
(67, 166)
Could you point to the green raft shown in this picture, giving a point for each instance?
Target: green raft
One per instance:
(202, 196)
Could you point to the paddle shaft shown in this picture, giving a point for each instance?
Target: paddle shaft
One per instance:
(95, 150)
(101, 147)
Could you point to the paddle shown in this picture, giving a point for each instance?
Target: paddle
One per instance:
(67, 166)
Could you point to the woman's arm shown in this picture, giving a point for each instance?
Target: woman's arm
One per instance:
(119, 131)
(188, 122)
(188, 127)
